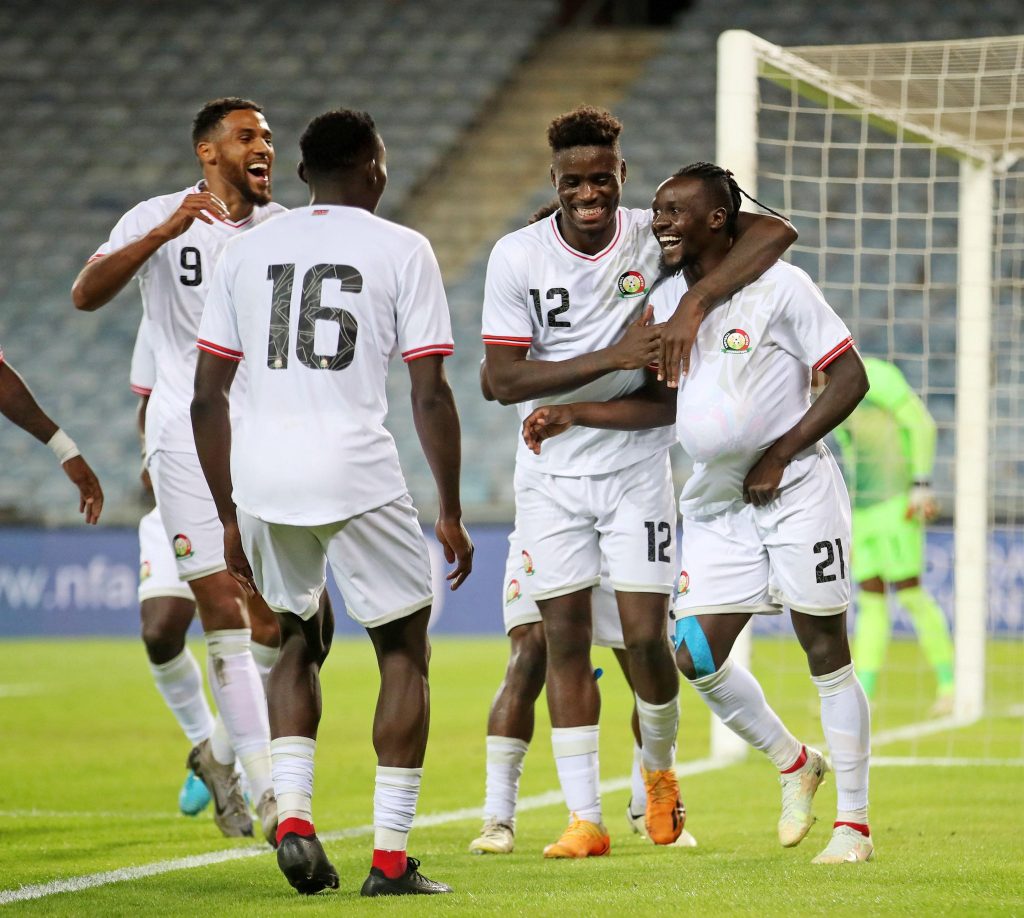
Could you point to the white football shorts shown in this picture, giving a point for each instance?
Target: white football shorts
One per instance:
(158, 574)
(622, 522)
(520, 609)
(379, 560)
(189, 514)
(794, 552)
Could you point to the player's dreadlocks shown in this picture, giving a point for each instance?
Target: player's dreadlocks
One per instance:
(721, 184)
(336, 140)
(211, 115)
(585, 126)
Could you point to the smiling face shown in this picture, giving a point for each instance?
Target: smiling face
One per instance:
(685, 222)
(588, 181)
(241, 150)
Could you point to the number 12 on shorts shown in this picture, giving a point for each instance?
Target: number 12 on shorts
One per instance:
(830, 558)
(655, 549)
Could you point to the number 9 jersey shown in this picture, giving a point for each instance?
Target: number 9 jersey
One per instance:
(174, 281)
(318, 301)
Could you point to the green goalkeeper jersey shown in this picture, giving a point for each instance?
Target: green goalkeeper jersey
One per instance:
(888, 442)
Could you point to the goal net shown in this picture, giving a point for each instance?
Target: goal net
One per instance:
(900, 166)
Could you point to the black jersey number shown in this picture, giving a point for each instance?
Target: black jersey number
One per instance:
(191, 261)
(830, 558)
(656, 551)
(554, 312)
(311, 310)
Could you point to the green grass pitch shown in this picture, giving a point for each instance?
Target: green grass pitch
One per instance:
(91, 763)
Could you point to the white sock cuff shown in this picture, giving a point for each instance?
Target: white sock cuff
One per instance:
(229, 642)
(399, 777)
(574, 740)
(706, 684)
(646, 709)
(182, 662)
(508, 750)
(264, 655)
(301, 746)
(834, 683)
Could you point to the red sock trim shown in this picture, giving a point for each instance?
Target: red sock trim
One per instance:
(801, 760)
(391, 863)
(859, 826)
(293, 824)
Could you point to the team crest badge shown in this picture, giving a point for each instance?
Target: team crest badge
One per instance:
(735, 341)
(632, 284)
(527, 564)
(684, 584)
(512, 592)
(145, 571)
(182, 546)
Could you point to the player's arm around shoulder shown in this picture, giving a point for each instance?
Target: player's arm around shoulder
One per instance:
(137, 236)
(440, 436)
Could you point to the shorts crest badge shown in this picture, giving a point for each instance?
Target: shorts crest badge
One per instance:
(684, 584)
(182, 546)
(527, 564)
(512, 592)
(145, 571)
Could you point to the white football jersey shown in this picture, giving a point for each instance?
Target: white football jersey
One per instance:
(543, 295)
(174, 282)
(318, 301)
(749, 379)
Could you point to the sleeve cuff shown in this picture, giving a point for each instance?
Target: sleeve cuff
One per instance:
(218, 350)
(841, 348)
(507, 340)
(140, 390)
(445, 350)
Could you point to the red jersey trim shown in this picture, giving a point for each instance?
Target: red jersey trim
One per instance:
(507, 340)
(201, 187)
(445, 350)
(95, 257)
(841, 348)
(219, 350)
(608, 248)
(140, 390)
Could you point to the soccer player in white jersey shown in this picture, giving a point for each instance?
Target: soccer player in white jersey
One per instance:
(766, 513)
(318, 301)
(171, 243)
(19, 407)
(567, 293)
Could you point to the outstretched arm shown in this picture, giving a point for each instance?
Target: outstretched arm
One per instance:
(512, 378)
(19, 407)
(652, 405)
(760, 241)
(103, 278)
(848, 384)
(437, 425)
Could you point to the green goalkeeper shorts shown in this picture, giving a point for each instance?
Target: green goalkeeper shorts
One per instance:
(885, 543)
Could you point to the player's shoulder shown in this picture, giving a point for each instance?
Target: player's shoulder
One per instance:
(636, 220)
(787, 277)
(161, 205)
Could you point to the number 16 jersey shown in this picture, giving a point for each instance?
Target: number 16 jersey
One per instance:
(544, 295)
(318, 301)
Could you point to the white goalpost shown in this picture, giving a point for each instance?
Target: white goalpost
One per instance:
(900, 165)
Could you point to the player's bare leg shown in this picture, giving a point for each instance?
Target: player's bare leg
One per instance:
(656, 686)
(509, 732)
(178, 678)
(238, 692)
(575, 706)
(266, 636)
(400, 727)
(294, 702)
(735, 697)
(846, 720)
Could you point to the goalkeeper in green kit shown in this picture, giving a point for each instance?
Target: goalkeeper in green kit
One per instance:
(888, 446)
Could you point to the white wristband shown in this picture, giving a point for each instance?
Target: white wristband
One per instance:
(63, 446)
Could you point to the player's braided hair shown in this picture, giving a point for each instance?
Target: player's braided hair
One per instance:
(585, 126)
(211, 114)
(721, 183)
(336, 140)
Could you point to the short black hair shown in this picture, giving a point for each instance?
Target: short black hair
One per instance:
(545, 210)
(585, 126)
(723, 189)
(211, 114)
(336, 140)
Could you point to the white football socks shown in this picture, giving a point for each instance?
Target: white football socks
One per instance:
(395, 793)
(505, 756)
(265, 657)
(292, 762)
(575, 750)
(659, 724)
(236, 688)
(180, 682)
(846, 720)
(735, 696)
(638, 799)
(220, 742)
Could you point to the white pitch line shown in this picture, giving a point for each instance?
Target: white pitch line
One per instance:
(86, 814)
(15, 690)
(124, 874)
